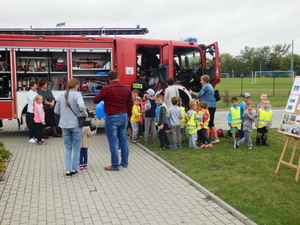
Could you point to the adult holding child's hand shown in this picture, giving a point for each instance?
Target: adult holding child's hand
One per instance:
(207, 94)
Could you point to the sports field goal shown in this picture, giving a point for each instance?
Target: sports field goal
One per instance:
(273, 74)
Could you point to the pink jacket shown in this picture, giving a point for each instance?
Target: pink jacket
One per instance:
(39, 113)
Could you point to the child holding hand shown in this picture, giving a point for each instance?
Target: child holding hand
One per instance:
(85, 142)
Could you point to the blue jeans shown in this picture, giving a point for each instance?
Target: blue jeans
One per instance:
(83, 156)
(115, 128)
(72, 139)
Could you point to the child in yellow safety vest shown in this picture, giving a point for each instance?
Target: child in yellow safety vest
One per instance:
(192, 124)
(234, 118)
(183, 120)
(204, 125)
(263, 122)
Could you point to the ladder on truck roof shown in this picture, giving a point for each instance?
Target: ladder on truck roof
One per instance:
(74, 31)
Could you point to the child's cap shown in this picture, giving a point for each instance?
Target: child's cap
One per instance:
(246, 95)
(150, 92)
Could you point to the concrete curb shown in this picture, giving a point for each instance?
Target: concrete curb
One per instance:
(202, 189)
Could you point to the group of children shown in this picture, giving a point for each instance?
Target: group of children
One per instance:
(242, 115)
(153, 112)
(39, 122)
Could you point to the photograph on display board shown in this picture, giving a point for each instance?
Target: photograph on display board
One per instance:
(290, 123)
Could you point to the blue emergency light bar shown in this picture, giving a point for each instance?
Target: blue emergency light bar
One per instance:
(191, 40)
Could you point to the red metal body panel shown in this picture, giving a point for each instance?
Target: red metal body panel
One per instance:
(123, 57)
(6, 111)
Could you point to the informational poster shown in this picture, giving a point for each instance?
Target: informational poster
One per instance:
(129, 70)
(290, 124)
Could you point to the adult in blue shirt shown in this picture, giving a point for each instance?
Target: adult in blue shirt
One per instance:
(207, 94)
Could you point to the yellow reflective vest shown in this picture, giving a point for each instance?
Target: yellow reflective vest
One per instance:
(182, 120)
(264, 117)
(235, 117)
(192, 124)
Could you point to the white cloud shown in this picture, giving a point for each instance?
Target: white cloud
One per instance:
(233, 23)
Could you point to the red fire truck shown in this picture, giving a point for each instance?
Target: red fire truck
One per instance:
(61, 54)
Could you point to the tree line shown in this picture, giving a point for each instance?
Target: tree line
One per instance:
(274, 58)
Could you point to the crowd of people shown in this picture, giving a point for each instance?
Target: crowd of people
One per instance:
(144, 115)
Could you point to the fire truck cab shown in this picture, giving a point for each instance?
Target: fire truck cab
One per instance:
(58, 58)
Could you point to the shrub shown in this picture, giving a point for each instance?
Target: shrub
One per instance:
(4, 155)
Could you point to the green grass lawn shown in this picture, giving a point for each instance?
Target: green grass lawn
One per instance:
(277, 89)
(243, 178)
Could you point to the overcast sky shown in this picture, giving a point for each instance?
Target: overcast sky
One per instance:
(233, 23)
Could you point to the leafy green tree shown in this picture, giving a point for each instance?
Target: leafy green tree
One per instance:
(276, 58)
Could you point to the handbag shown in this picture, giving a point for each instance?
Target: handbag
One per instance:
(217, 95)
(81, 119)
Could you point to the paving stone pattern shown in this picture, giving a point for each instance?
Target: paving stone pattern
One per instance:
(35, 190)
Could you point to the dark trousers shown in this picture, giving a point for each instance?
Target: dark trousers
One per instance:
(31, 125)
(39, 131)
(163, 138)
(83, 158)
(204, 138)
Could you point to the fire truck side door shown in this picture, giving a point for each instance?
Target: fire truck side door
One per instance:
(165, 67)
(212, 62)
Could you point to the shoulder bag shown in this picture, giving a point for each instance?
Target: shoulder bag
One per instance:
(81, 119)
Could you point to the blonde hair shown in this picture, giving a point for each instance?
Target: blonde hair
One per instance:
(71, 84)
(38, 97)
(193, 102)
(138, 98)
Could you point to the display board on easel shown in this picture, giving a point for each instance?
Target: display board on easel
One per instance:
(290, 126)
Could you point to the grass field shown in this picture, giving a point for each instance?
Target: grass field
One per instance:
(277, 89)
(243, 178)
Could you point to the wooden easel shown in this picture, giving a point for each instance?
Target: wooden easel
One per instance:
(290, 163)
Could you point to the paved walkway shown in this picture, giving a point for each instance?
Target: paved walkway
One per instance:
(149, 191)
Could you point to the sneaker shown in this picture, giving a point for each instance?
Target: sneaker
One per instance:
(42, 143)
(209, 145)
(203, 145)
(81, 167)
(174, 146)
(168, 147)
(146, 143)
(31, 140)
(235, 145)
(161, 149)
(216, 141)
(68, 174)
(133, 140)
(250, 148)
(196, 147)
(154, 142)
(179, 146)
(74, 173)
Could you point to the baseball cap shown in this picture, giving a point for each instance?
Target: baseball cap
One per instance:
(150, 92)
(246, 95)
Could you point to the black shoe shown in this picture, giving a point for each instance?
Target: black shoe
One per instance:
(168, 147)
(74, 173)
(56, 135)
(68, 174)
(45, 137)
(161, 149)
